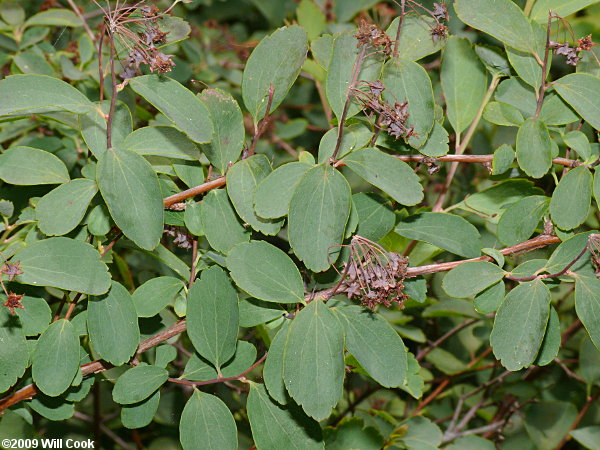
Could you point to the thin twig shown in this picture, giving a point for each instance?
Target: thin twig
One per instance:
(590, 401)
(355, 72)
(543, 86)
(220, 379)
(86, 27)
(261, 127)
(551, 275)
(399, 30)
(113, 96)
(194, 256)
(444, 337)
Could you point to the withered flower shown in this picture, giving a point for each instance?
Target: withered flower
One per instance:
(11, 270)
(14, 301)
(369, 33)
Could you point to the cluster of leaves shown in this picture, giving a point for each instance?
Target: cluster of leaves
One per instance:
(281, 274)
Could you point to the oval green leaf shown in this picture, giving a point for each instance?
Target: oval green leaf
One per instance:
(178, 103)
(138, 383)
(93, 126)
(221, 225)
(447, 231)
(276, 61)
(319, 210)
(212, 316)
(155, 294)
(29, 166)
(65, 264)
(471, 278)
(520, 325)
(571, 199)
(273, 194)
(579, 90)
(55, 361)
(313, 369)
(62, 209)
(132, 193)
(13, 351)
(265, 272)
(520, 219)
(161, 141)
(534, 148)
(207, 420)
(113, 325)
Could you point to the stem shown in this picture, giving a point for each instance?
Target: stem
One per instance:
(399, 30)
(590, 401)
(205, 187)
(86, 27)
(543, 86)
(194, 256)
(262, 126)
(220, 379)
(465, 141)
(444, 337)
(528, 7)
(113, 97)
(355, 73)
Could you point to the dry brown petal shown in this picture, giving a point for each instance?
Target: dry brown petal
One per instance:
(14, 301)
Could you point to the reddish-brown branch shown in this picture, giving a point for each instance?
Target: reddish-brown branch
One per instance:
(590, 401)
(262, 126)
(179, 197)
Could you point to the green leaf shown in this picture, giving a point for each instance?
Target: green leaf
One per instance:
(319, 210)
(274, 192)
(520, 325)
(488, 300)
(447, 231)
(65, 264)
(503, 159)
(193, 218)
(375, 216)
(408, 81)
(415, 39)
(113, 325)
(351, 432)
(131, 191)
(589, 437)
(178, 103)
(501, 19)
(199, 369)
(30, 62)
(242, 179)
(313, 367)
(503, 114)
(52, 408)
(206, 419)
(587, 306)
(221, 225)
(255, 312)
(471, 443)
(36, 315)
(571, 199)
(39, 94)
(384, 171)
(494, 59)
(563, 8)
(93, 127)
(228, 123)
(55, 17)
(375, 344)
(589, 361)
(525, 63)
(29, 166)
(579, 90)
(161, 141)
(339, 74)
(212, 316)
(273, 368)
(520, 219)
(547, 422)
(354, 137)
(551, 343)
(63, 208)
(422, 434)
(13, 351)
(155, 294)
(534, 153)
(464, 82)
(276, 427)
(56, 358)
(437, 142)
(346, 9)
(567, 251)
(140, 414)
(471, 278)
(265, 272)
(138, 383)
(276, 61)
(311, 19)
(578, 141)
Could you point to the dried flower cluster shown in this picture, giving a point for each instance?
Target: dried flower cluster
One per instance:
(182, 240)
(13, 300)
(572, 52)
(369, 33)
(373, 275)
(391, 117)
(440, 14)
(594, 248)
